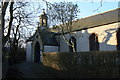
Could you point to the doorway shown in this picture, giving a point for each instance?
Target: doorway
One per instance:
(37, 52)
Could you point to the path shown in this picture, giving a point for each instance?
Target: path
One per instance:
(34, 70)
(30, 70)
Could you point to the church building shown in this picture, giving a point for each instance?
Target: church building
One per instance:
(100, 32)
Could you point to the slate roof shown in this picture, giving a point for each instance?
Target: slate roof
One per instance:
(97, 20)
(48, 38)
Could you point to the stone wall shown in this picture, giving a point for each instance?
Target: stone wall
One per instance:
(85, 64)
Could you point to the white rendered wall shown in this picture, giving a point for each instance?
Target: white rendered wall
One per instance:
(28, 52)
(48, 48)
(106, 38)
(82, 41)
(63, 45)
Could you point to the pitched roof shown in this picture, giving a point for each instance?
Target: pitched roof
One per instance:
(48, 38)
(97, 20)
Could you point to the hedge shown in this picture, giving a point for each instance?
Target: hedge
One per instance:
(98, 64)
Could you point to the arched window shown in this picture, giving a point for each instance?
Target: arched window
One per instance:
(72, 39)
(93, 42)
(118, 39)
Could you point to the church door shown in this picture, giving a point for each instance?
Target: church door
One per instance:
(37, 52)
(118, 39)
(93, 43)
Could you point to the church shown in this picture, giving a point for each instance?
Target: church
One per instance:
(100, 32)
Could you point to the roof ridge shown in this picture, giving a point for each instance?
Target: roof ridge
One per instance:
(98, 14)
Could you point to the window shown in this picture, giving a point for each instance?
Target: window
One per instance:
(118, 39)
(93, 42)
(72, 39)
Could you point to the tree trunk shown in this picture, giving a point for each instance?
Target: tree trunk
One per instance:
(4, 7)
(10, 23)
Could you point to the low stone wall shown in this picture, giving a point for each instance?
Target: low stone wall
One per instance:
(85, 64)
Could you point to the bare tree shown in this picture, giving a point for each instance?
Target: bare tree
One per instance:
(63, 13)
(17, 19)
(4, 8)
(16, 22)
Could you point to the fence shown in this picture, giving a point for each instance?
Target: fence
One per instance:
(85, 64)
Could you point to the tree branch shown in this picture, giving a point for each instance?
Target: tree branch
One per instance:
(11, 19)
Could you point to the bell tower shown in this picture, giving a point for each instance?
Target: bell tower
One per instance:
(43, 19)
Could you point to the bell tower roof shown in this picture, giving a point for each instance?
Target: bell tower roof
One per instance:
(43, 19)
(43, 14)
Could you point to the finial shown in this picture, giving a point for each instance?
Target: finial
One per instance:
(43, 10)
